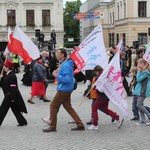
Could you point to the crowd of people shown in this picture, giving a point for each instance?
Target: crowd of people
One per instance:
(55, 66)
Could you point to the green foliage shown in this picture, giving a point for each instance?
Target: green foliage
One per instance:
(71, 26)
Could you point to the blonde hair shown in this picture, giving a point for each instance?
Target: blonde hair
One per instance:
(134, 69)
(142, 60)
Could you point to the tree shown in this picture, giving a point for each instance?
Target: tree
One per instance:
(71, 26)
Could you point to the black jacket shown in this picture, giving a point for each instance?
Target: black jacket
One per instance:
(11, 91)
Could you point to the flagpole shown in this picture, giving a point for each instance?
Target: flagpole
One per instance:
(85, 97)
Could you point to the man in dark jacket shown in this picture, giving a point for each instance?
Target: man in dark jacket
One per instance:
(12, 96)
(53, 37)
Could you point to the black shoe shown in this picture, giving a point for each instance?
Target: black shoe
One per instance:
(46, 100)
(41, 98)
(78, 128)
(112, 119)
(89, 123)
(31, 102)
(20, 125)
(49, 130)
(134, 119)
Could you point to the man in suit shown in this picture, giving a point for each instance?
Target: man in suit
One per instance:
(12, 96)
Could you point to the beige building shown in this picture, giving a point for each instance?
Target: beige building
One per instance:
(127, 19)
(32, 16)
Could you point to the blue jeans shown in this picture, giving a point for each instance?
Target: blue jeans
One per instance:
(135, 110)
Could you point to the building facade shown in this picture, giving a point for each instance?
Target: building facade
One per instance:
(126, 19)
(32, 16)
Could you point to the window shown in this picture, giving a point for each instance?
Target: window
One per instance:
(142, 38)
(110, 19)
(124, 39)
(111, 39)
(30, 17)
(117, 39)
(118, 12)
(46, 17)
(11, 17)
(124, 10)
(142, 8)
(113, 18)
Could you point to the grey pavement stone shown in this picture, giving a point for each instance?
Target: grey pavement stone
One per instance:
(108, 137)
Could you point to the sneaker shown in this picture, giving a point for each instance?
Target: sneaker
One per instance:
(141, 123)
(134, 119)
(49, 130)
(92, 127)
(46, 120)
(148, 123)
(71, 121)
(78, 128)
(120, 122)
(112, 119)
(89, 122)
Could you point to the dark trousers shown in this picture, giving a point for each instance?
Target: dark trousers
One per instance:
(6, 104)
(62, 98)
(135, 110)
(104, 106)
(125, 85)
(16, 67)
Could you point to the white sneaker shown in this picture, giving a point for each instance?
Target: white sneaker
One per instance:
(148, 123)
(46, 120)
(141, 123)
(120, 122)
(92, 127)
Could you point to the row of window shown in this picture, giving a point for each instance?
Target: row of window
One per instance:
(113, 42)
(142, 9)
(142, 39)
(30, 17)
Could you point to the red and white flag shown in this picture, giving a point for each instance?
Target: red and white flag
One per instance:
(23, 46)
(91, 51)
(120, 46)
(10, 36)
(146, 56)
(110, 82)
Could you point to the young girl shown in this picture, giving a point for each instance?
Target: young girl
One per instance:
(102, 102)
(142, 89)
(135, 97)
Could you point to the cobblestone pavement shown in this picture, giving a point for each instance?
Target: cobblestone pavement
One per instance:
(108, 137)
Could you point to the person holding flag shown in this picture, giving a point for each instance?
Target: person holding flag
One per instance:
(102, 102)
(65, 77)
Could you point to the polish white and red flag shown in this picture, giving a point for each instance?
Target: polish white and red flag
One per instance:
(146, 56)
(110, 82)
(23, 46)
(90, 52)
(10, 36)
(120, 46)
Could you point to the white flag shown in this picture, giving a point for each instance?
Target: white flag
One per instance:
(146, 56)
(91, 51)
(110, 82)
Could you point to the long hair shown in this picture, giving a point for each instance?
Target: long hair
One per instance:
(142, 60)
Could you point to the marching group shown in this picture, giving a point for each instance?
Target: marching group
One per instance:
(56, 67)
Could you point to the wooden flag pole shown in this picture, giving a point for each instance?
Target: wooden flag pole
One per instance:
(85, 97)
